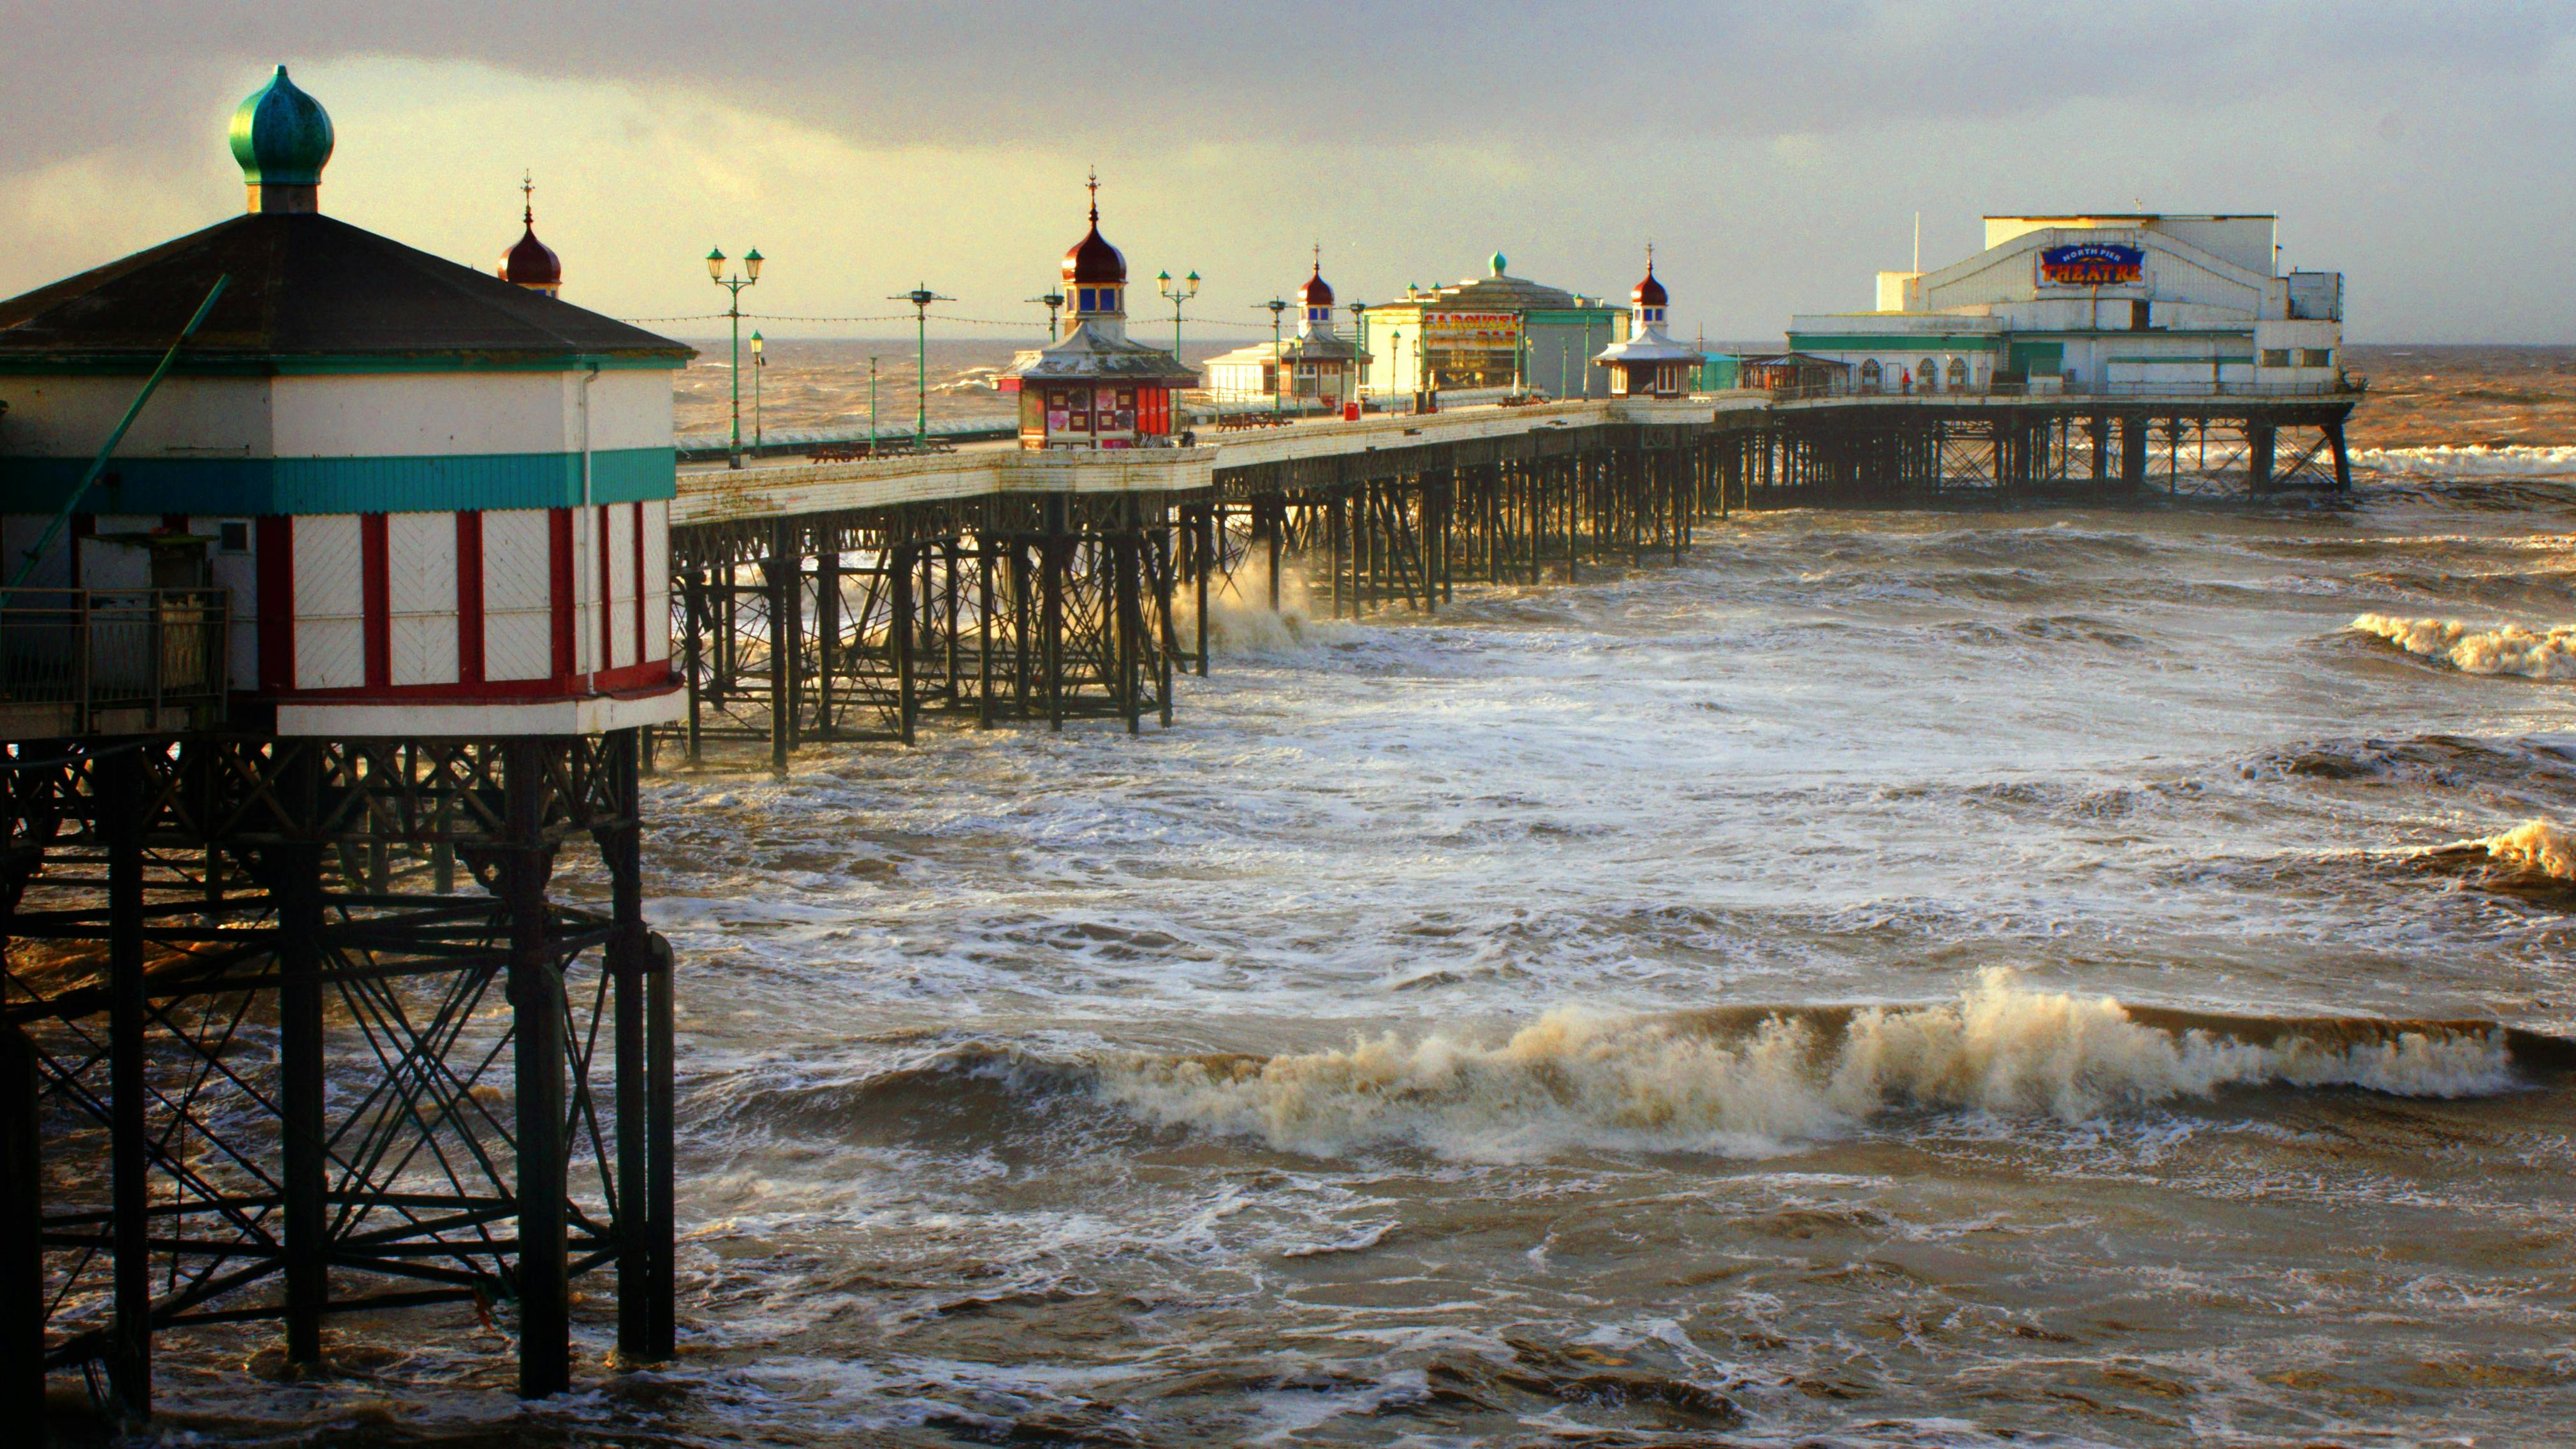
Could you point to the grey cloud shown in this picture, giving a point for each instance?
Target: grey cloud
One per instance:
(1429, 70)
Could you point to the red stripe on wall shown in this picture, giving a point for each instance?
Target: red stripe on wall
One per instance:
(376, 571)
(559, 529)
(641, 653)
(274, 538)
(646, 678)
(607, 590)
(469, 597)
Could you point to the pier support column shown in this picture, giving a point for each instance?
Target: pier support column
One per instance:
(827, 628)
(2259, 440)
(296, 871)
(1203, 554)
(902, 633)
(661, 1137)
(2342, 455)
(117, 781)
(784, 574)
(693, 614)
(628, 961)
(22, 1254)
(2133, 451)
(537, 1024)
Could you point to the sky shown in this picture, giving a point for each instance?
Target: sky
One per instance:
(1776, 155)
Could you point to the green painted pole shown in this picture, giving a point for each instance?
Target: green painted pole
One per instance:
(107, 449)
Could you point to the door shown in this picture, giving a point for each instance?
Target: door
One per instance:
(2038, 359)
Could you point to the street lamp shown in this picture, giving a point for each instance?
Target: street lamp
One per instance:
(1278, 364)
(1054, 303)
(920, 297)
(758, 362)
(872, 406)
(1176, 293)
(1359, 350)
(734, 284)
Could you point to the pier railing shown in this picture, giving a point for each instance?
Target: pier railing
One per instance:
(112, 661)
(2340, 388)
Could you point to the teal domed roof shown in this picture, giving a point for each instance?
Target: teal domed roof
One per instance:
(1496, 263)
(281, 136)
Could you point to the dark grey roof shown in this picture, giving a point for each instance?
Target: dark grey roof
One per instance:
(1105, 354)
(305, 286)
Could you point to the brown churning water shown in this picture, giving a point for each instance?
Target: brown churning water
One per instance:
(1938, 978)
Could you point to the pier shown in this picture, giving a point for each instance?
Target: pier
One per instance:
(1007, 585)
(377, 619)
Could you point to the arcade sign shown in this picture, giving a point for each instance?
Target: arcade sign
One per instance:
(2090, 264)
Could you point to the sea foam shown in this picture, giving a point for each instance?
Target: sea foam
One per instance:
(2509, 649)
(2539, 846)
(1717, 1083)
(2445, 461)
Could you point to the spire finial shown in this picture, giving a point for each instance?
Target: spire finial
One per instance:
(1650, 259)
(528, 196)
(1094, 184)
(1319, 259)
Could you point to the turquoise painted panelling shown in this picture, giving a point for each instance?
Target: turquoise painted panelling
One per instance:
(250, 486)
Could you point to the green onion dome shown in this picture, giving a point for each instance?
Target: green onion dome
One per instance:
(1497, 263)
(281, 136)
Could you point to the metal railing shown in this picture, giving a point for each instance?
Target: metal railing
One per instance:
(112, 661)
(2342, 387)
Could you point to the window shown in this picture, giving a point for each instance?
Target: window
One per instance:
(1958, 374)
(1927, 375)
(1870, 374)
(2138, 315)
(232, 535)
(1083, 298)
(2276, 357)
(2316, 357)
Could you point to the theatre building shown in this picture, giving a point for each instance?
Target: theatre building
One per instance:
(2097, 304)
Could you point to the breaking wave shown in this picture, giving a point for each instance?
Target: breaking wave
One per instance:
(2445, 461)
(2534, 845)
(1750, 1080)
(2511, 649)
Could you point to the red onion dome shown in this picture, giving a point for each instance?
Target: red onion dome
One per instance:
(1093, 262)
(1648, 293)
(531, 263)
(1317, 292)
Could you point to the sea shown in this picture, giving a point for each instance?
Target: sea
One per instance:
(1960, 976)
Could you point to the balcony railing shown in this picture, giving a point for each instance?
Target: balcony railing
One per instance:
(112, 661)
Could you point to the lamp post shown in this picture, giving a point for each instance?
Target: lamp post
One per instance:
(1176, 293)
(748, 275)
(1278, 364)
(872, 406)
(1359, 351)
(920, 297)
(1054, 303)
(759, 361)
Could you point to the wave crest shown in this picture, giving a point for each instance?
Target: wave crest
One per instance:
(2507, 650)
(1740, 1082)
(2516, 460)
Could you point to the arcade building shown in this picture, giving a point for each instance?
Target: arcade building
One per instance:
(1093, 386)
(1494, 332)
